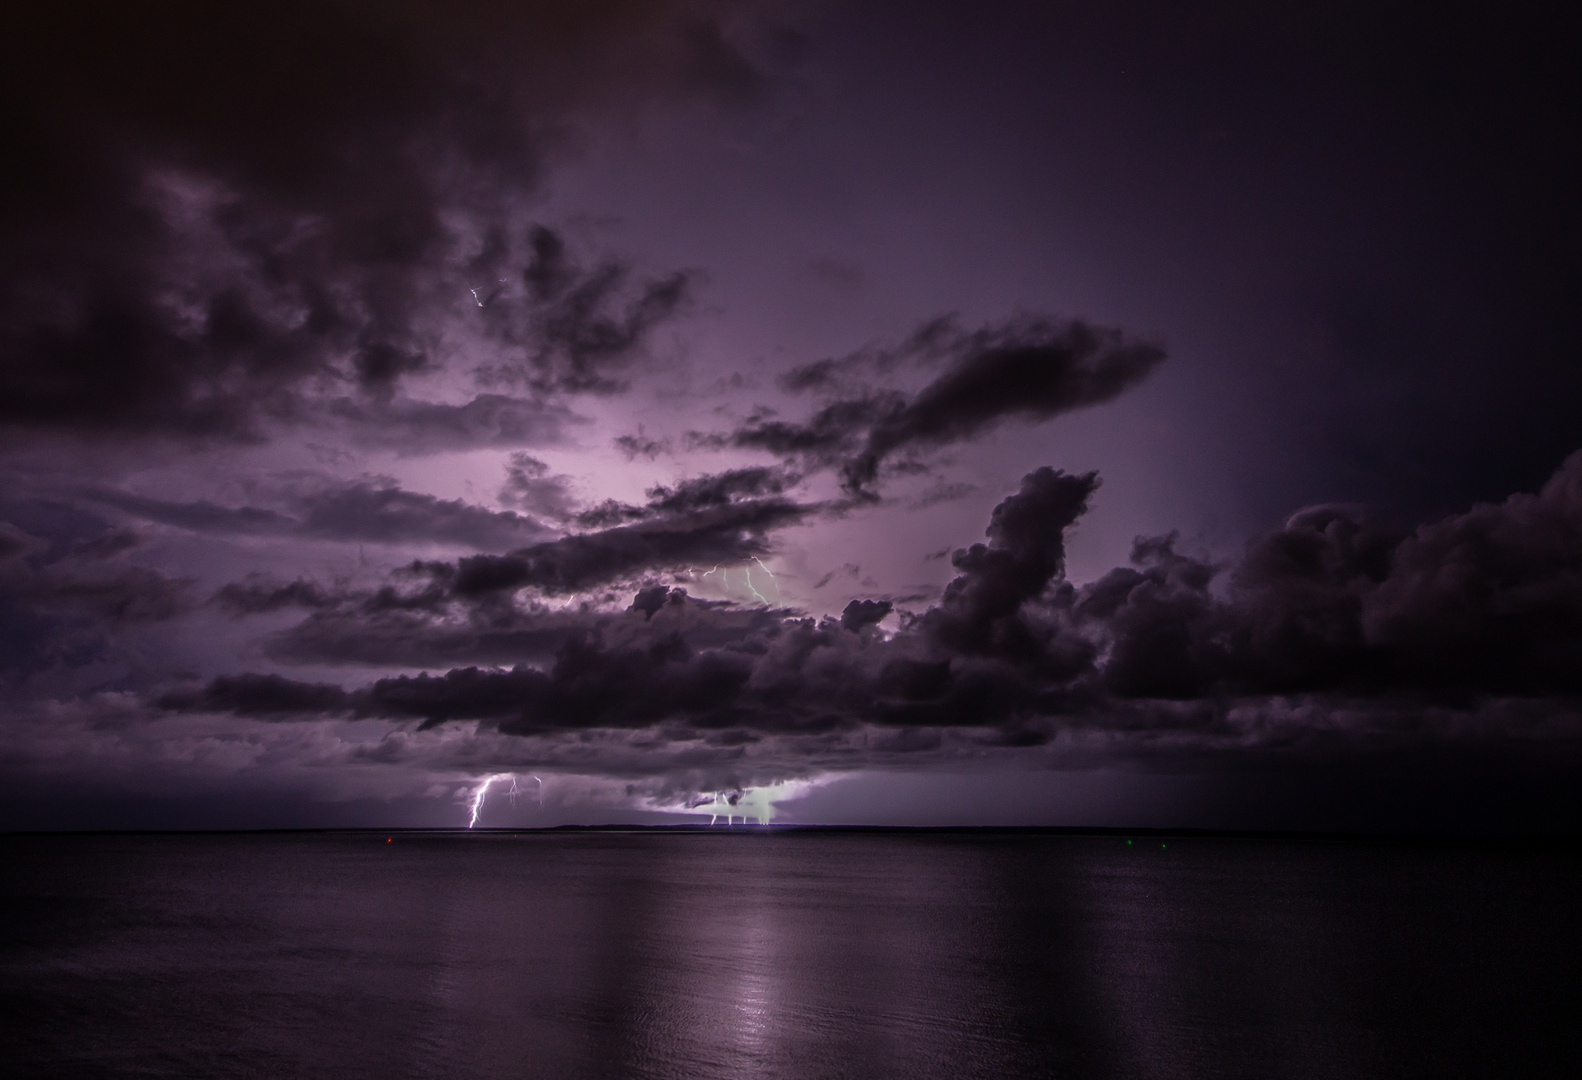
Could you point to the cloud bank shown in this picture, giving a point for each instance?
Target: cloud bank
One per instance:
(1324, 634)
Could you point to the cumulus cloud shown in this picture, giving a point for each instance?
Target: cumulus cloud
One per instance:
(1327, 632)
(1485, 603)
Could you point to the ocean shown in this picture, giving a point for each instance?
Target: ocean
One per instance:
(795, 953)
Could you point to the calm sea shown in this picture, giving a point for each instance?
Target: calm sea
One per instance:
(784, 954)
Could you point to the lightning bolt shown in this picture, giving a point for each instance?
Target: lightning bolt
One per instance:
(771, 574)
(476, 805)
(477, 799)
(728, 801)
(747, 572)
(475, 297)
(540, 791)
(747, 575)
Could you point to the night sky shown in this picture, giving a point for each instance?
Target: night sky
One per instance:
(1068, 414)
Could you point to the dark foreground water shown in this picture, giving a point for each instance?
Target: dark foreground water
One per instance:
(784, 954)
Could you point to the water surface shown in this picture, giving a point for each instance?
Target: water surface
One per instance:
(784, 954)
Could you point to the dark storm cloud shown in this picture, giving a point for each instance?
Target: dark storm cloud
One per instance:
(211, 214)
(959, 666)
(1029, 369)
(259, 595)
(588, 686)
(314, 223)
(861, 613)
(384, 513)
(13, 542)
(981, 611)
(411, 428)
(828, 433)
(640, 445)
(529, 485)
(91, 579)
(935, 339)
(438, 612)
(850, 570)
(360, 633)
(435, 629)
(1328, 631)
(580, 326)
(1482, 604)
(1030, 372)
(730, 533)
(373, 510)
(112, 598)
(199, 516)
(257, 695)
(107, 546)
(725, 518)
(63, 603)
(719, 489)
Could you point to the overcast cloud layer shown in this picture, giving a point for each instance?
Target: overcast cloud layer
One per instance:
(651, 409)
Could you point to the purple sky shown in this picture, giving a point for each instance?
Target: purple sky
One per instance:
(880, 413)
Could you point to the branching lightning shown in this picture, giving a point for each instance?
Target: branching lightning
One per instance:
(771, 574)
(477, 800)
(747, 575)
(476, 805)
(758, 802)
(736, 804)
(747, 572)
